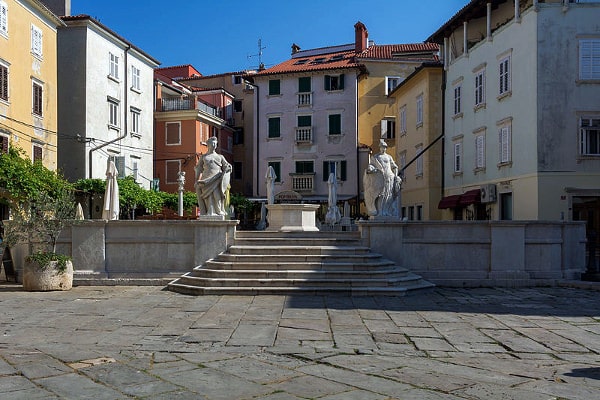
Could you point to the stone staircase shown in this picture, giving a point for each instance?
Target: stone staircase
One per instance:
(317, 263)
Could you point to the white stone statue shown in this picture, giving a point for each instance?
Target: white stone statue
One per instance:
(333, 212)
(270, 177)
(213, 174)
(382, 184)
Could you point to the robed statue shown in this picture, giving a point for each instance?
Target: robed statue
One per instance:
(213, 174)
(382, 184)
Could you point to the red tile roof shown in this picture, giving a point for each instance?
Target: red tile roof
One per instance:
(180, 71)
(388, 51)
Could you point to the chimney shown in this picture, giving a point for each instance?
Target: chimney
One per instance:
(62, 8)
(295, 48)
(361, 36)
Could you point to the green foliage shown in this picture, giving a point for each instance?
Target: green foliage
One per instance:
(42, 260)
(91, 186)
(171, 200)
(240, 202)
(132, 196)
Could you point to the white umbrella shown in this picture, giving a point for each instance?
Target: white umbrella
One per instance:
(110, 211)
(79, 212)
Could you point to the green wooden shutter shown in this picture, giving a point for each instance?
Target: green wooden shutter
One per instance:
(277, 168)
(327, 82)
(274, 87)
(304, 84)
(274, 128)
(304, 120)
(343, 174)
(335, 124)
(325, 171)
(341, 81)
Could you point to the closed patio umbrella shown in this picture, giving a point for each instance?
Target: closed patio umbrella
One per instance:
(110, 211)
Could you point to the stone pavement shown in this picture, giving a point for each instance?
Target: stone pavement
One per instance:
(147, 343)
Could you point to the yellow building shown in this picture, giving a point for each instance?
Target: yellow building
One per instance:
(28, 79)
(419, 146)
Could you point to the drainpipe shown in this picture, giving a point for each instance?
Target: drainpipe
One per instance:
(257, 116)
(124, 135)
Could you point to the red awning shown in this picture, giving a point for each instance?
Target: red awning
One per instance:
(470, 197)
(449, 201)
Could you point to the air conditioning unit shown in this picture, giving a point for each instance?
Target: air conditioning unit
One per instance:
(488, 193)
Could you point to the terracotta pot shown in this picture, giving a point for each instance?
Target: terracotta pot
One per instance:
(47, 279)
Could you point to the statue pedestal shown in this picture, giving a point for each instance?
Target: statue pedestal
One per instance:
(292, 217)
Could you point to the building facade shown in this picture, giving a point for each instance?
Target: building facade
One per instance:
(419, 144)
(105, 102)
(28, 80)
(522, 122)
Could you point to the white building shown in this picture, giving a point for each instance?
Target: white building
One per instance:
(105, 102)
(522, 110)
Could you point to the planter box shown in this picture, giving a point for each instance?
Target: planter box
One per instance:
(48, 278)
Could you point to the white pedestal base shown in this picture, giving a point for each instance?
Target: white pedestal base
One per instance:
(292, 217)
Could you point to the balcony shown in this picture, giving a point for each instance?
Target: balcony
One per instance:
(304, 99)
(303, 183)
(178, 104)
(304, 134)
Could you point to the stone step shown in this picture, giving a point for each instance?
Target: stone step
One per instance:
(301, 290)
(275, 258)
(298, 249)
(204, 272)
(274, 235)
(278, 265)
(299, 241)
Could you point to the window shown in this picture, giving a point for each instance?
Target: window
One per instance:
(403, 120)
(237, 170)
(135, 78)
(420, 110)
(457, 100)
(506, 206)
(3, 82)
(172, 168)
(135, 169)
(480, 151)
(419, 161)
(589, 59)
(277, 168)
(589, 143)
(36, 153)
(274, 87)
(304, 84)
(113, 113)
(457, 157)
(274, 127)
(114, 66)
(237, 106)
(37, 96)
(391, 82)
(135, 121)
(334, 82)
(480, 88)
(388, 128)
(237, 79)
(419, 213)
(335, 124)
(505, 144)
(337, 167)
(305, 167)
(36, 41)
(402, 162)
(238, 136)
(172, 133)
(504, 71)
(3, 144)
(3, 18)
(304, 120)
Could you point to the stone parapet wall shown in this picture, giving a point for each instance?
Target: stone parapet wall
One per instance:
(487, 253)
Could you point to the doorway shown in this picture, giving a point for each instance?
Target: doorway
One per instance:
(587, 208)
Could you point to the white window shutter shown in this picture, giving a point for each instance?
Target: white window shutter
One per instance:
(480, 151)
(383, 128)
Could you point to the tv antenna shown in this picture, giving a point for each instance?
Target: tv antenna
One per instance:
(259, 55)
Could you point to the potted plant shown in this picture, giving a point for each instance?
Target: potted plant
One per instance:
(41, 206)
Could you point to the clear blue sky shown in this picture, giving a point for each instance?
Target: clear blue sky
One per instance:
(218, 36)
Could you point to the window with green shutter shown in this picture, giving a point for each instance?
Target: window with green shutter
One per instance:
(304, 120)
(334, 82)
(337, 167)
(304, 84)
(274, 87)
(335, 124)
(274, 127)
(305, 167)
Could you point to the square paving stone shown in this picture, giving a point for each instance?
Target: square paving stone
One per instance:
(254, 370)
(253, 335)
(74, 386)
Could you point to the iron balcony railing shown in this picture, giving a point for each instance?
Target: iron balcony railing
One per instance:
(177, 104)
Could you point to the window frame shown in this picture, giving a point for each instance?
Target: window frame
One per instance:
(3, 18)
(304, 84)
(136, 78)
(114, 120)
(37, 42)
(505, 144)
(458, 99)
(585, 134)
(178, 142)
(274, 127)
(504, 75)
(333, 83)
(480, 88)
(480, 151)
(37, 98)
(277, 167)
(419, 160)
(113, 66)
(389, 83)
(172, 162)
(37, 152)
(303, 164)
(340, 167)
(4, 82)
(592, 72)
(334, 120)
(403, 124)
(457, 160)
(135, 121)
(388, 128)
(274, 87)
(420, 110)
(4, 143)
